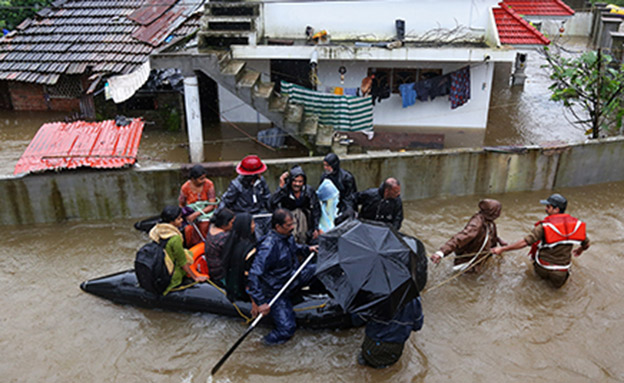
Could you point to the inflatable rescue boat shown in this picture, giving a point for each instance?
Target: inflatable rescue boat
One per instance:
(315, 311)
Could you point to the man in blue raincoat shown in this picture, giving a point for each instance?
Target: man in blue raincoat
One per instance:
(275, 262)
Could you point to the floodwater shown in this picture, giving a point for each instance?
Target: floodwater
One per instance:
(223, 142)
(524, 115)
(504, 325)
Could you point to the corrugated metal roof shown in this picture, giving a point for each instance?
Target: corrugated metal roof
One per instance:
(514, 30)
(60, 145)
(75, 34)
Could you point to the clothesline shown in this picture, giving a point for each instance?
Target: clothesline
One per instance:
(455, 84)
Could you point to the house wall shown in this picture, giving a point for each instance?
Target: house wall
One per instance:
(130, 193)
(429, 114)
(577, 25)
(435, 113)
(27, 96)
(374, 20)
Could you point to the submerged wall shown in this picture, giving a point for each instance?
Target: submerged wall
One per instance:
(130, 193)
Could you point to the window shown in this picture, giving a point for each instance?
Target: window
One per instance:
(403, 76)
(393, 77)
(66, 87)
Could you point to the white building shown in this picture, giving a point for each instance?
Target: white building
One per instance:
(439, 38)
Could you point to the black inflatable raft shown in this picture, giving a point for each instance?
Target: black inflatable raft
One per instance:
(314, 311)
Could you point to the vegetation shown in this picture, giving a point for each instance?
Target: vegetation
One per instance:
(591, 87)
(13, 12)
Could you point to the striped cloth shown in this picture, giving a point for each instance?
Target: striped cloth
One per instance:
(348, 113)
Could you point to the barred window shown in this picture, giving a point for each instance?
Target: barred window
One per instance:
(66, 87)
(393, 77)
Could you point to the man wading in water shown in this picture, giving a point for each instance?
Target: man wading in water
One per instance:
(552, 240)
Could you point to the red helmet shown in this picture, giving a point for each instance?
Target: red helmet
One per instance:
(251, 165)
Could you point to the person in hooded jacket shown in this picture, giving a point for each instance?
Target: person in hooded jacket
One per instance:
(382, 204)
(475, 240)
(300, 198)
(342, 179)
(249, 192)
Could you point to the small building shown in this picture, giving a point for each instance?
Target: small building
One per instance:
(74, 50)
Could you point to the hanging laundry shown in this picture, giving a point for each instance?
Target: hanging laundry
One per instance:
(460, 87)
(339, 91)
(380, 91)
(342, 112)
(432, 87)
(441, 86)
(351, 91)
(408, 94)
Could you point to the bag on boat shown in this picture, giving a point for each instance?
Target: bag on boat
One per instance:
(150, 267)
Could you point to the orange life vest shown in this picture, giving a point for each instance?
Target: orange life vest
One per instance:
(559, 229)
(562, 229)
(199, 265)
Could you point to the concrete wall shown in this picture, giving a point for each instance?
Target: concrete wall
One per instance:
(577, 25)
(101, 195)
(374, 19)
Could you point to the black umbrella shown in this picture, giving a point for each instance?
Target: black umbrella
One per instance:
(371, 269)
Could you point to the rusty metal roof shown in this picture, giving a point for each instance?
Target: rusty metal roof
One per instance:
(106, 37)
(60, 145)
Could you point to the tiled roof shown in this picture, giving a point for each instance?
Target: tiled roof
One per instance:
(540, 7)
(514, 30)
(107, 37)
(59, 145)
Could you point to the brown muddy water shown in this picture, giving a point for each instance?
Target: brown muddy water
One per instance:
(504, 325)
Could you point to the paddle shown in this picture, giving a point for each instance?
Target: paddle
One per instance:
(260, 316)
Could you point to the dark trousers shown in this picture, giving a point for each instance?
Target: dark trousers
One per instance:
(282, 310)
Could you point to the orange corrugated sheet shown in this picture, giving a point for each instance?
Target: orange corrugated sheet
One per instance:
(60, 145)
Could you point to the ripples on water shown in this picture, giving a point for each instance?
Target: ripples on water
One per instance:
(504, 325)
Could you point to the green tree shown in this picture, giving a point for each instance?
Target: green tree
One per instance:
(13, 12)
(590, 87)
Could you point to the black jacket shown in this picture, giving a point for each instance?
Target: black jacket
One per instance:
(343, 180)
(376, 208)
(308, 201)
(240, 197)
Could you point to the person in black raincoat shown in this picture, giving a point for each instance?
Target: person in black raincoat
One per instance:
(297, 196)
(249, 192)
(276, 260)
(238, 254)
(382, 204)
(342, 179)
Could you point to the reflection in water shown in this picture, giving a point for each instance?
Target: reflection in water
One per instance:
(503, 325)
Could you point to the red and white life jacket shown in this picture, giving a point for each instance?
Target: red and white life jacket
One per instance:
(559, 229)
